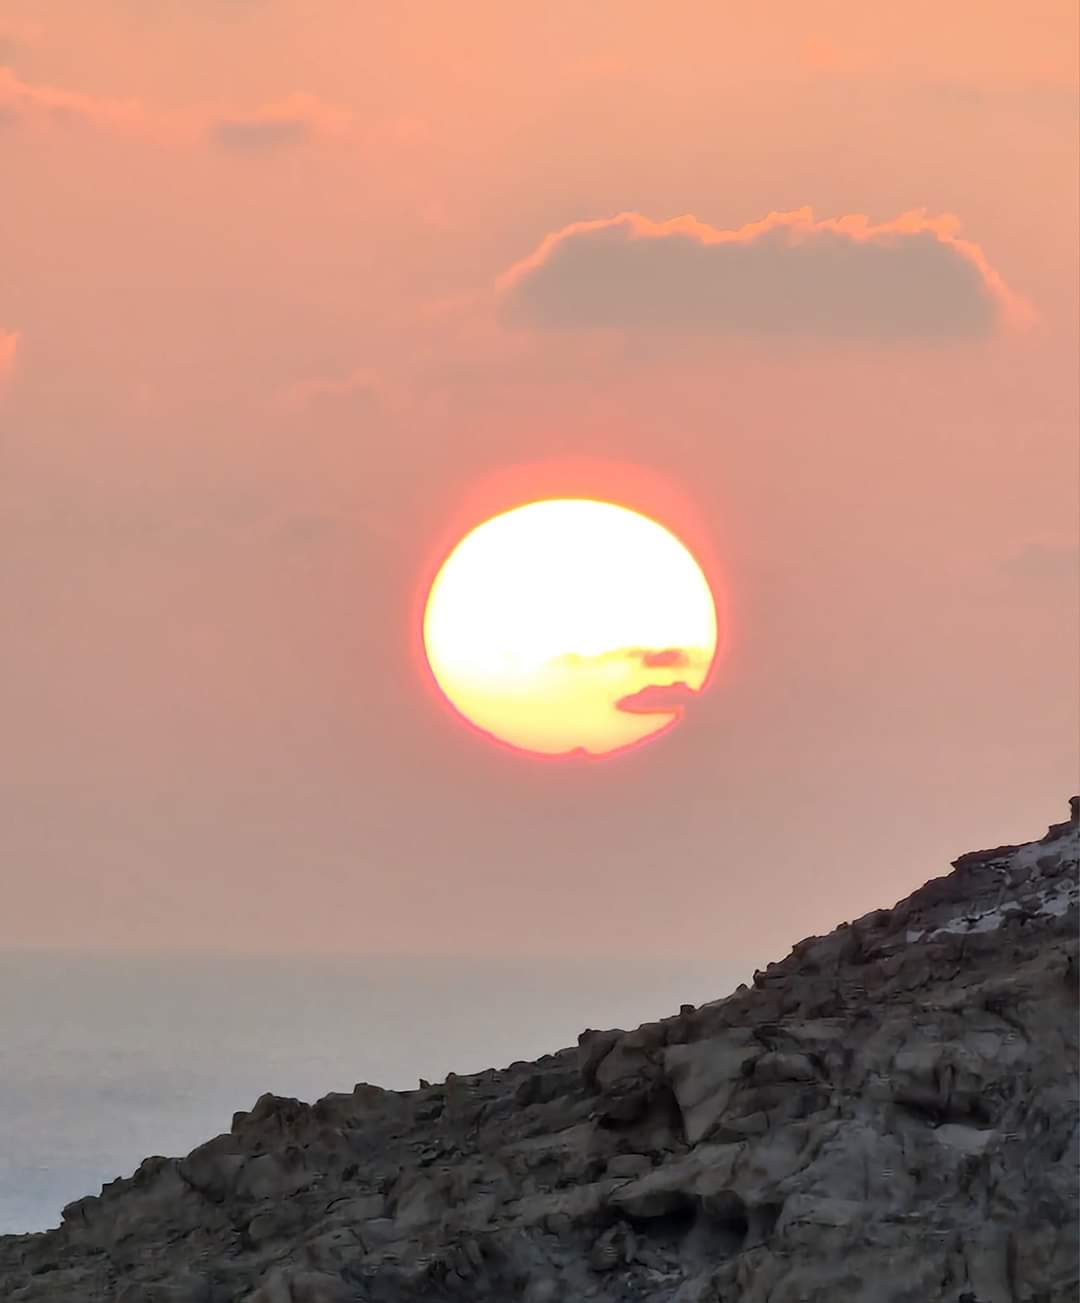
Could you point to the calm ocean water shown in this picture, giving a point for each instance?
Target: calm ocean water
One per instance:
(107, 1059)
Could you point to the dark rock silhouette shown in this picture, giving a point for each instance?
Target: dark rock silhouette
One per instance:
(888, 1115)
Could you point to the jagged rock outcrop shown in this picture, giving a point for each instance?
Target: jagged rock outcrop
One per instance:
(888, 1115)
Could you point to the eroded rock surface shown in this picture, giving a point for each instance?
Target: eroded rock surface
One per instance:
(888, 1115)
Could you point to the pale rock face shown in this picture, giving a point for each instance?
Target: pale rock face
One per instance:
(889, 1115)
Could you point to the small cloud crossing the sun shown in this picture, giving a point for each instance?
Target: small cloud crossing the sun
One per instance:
(669, 658)
(658, 699)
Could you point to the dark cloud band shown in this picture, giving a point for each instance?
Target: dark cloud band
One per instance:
(787, 275)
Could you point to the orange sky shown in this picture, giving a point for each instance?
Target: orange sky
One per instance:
(264, 329)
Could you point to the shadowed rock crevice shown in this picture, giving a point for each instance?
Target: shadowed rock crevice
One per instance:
(887, 1115)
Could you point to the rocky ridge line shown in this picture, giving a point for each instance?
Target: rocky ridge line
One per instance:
(888, 1115)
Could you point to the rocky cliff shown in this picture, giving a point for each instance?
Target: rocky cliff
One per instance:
(888, 1115)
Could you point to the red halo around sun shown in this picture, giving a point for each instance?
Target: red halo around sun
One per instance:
(644, 687)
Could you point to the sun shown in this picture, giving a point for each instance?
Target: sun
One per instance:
(570, 626)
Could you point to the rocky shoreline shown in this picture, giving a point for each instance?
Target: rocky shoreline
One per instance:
(888, 1115)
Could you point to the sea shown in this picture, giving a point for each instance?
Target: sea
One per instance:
(106, 1059)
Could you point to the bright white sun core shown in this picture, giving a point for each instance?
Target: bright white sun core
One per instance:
(569, 626)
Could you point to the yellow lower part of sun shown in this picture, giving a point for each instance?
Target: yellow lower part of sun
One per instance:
(570, 625)
(559, 709)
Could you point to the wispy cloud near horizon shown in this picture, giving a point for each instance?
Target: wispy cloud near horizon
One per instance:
(294, 120)
(19, 98)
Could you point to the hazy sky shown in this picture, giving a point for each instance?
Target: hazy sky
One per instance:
(289, 291)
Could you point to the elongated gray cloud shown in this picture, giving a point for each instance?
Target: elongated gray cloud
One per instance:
(257, 134)
(1045, 561)
(789, 274)
(291, 122)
